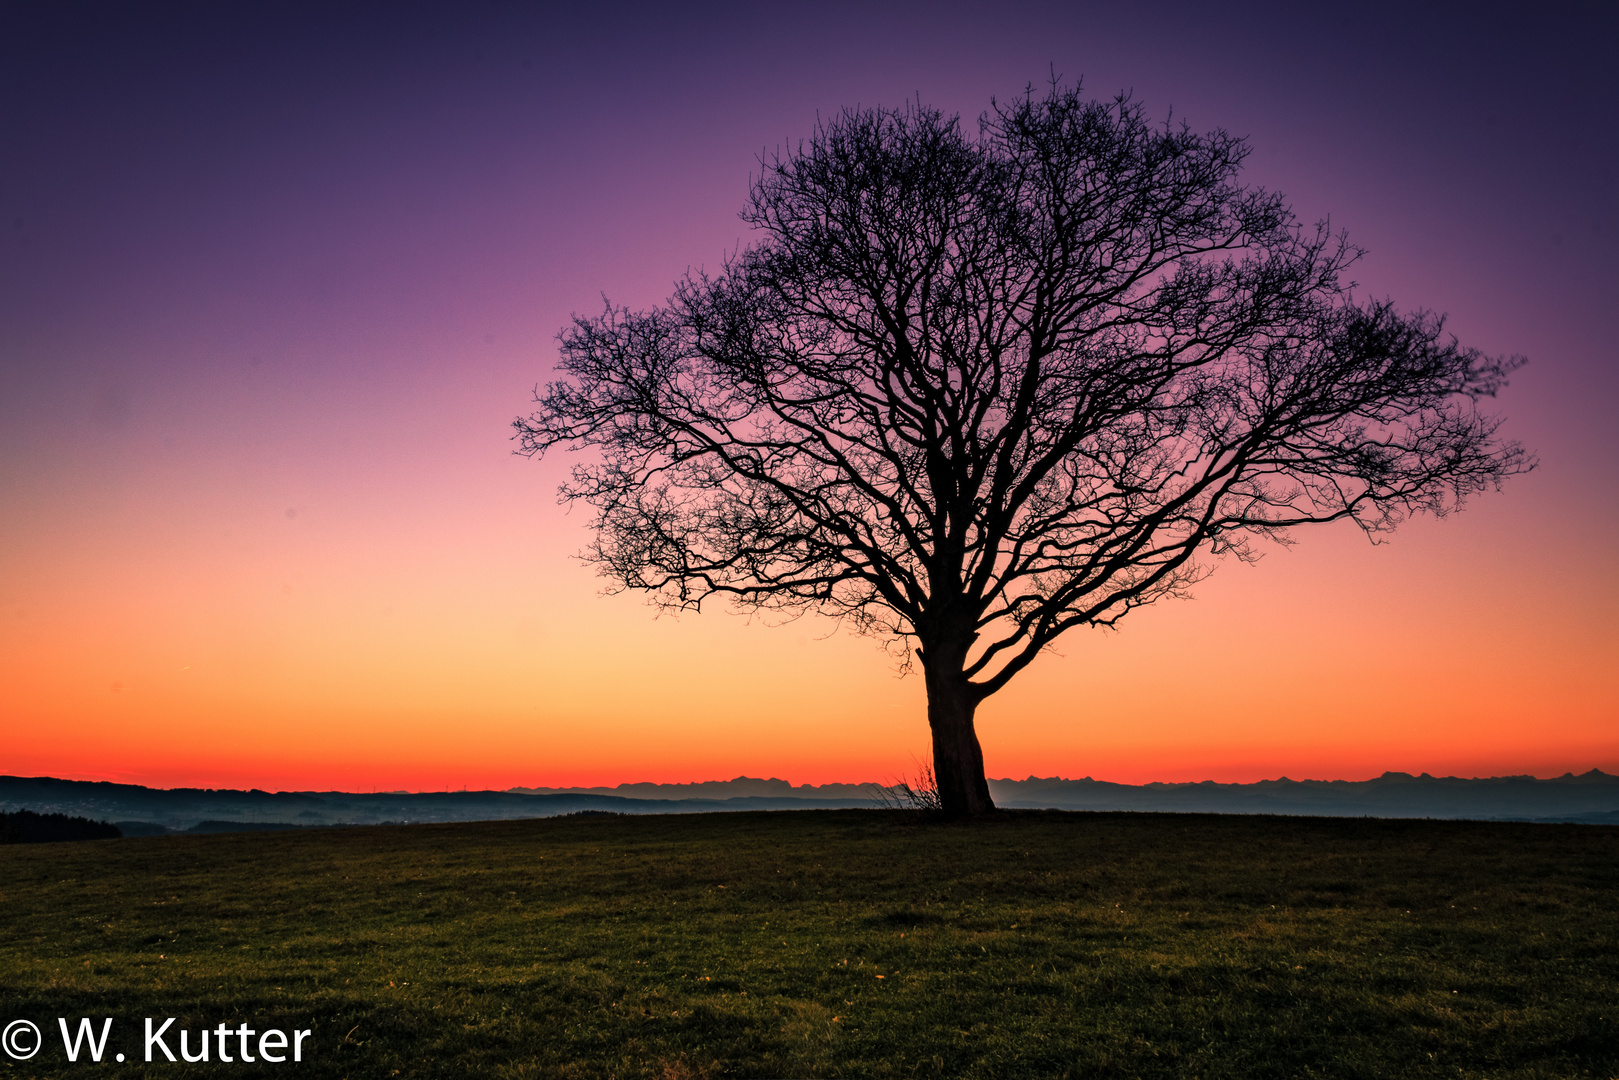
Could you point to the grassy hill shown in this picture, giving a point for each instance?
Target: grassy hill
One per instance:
(838, 943)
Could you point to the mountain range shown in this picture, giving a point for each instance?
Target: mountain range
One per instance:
(1590, 798)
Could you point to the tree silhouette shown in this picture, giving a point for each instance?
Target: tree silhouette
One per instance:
(972, 391)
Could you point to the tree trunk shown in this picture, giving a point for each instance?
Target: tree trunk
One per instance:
(958, 763)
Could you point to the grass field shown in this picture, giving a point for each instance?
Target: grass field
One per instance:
(838, 943)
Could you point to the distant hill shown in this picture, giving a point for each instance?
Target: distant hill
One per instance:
(1394, 794)
(743, 787)
(144, 810)
(1591, 797)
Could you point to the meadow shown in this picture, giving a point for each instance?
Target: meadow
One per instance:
(837, 944)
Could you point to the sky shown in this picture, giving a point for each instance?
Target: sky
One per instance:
(276, 279)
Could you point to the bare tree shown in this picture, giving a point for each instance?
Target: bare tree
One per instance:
(972, 391)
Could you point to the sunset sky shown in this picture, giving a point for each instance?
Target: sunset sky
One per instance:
(275, 280)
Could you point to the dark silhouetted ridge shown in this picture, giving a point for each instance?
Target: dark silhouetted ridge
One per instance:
(28, 827)
(1591, 797)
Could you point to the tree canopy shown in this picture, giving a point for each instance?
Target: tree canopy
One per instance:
(972, 389)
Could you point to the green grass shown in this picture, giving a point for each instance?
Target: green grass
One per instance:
(840, 943)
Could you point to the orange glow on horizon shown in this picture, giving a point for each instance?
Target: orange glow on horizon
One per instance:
(1329, 660)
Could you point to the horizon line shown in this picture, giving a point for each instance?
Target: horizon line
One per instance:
(538, 789)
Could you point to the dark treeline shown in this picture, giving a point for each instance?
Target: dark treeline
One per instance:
(27, 827)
